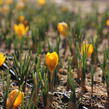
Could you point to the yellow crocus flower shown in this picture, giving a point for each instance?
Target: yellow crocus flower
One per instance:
(14, 99)
(20, 29)
(2, 59)
(62, 28)
(87, 49)
(41, 2)
(51, 61)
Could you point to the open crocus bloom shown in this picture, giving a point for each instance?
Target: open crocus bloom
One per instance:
(20, 29)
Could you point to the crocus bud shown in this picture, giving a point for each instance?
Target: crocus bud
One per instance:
(51, 61)
(87, 49)
(21, 19)
(14, 99)
(62, 28)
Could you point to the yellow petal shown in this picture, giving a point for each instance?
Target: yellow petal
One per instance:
(87, 49)
(2, 59)
(90, 50)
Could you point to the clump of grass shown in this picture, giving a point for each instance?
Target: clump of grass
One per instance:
(72, 87)
(22, 68)
(104, 67)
